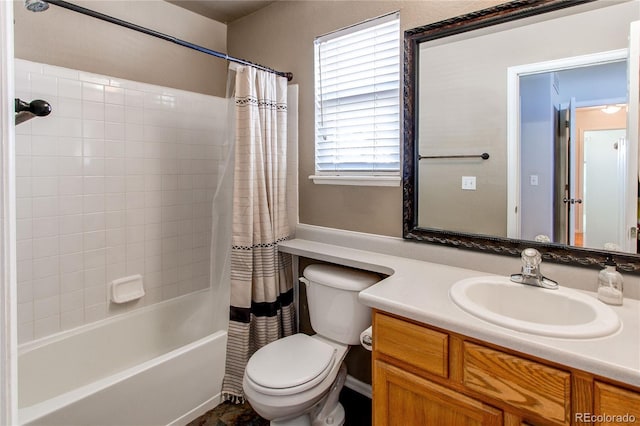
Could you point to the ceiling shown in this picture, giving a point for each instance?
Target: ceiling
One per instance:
(224, 11)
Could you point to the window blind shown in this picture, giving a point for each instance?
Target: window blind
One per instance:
(357, 100)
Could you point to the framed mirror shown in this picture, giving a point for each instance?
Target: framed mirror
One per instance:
(521, 130)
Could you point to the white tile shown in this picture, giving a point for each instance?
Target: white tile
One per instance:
(114, 113)
(116, 271)
(114, 131)
(135, 234)
(45, 267)
(71, 224)
(134, 115)
(115, 202)
(92, 110)
(95, 312)
(44, 84)
(46, 287)
(93, 129)
(24, 208)
(46, 326)
(45, 206)
(92, 92)
(114, 95)
(45, 247)
(44, 145)
(71, 243)
(71, 301)
(25, 312)
(94, 259)
(25, 291)
(135, 251)
(69, 147)
(134, 132)
(24, 250)
(116, 237)
(23, 144)
(71, 319)
(23, 187)
(24, 270)
(93, 166)
(95, 240)
(24, 229)
(72, 262)
(47, 307)
(133, 98)
(93, 222)
(94, 295)
(94, 78)
(70, 205)
(72, 281)
(95, 277)
(135, 200)
(115, 184)
(25, 332)
(115, 167)
(93, 203)
(135, 217)
(114, 148)
(70, 185)
(116, 255)
(45, 227)
(117, 219)
(70, 127)
(23, 166)
(69, 88)
(48, 125)
(94, 185)
(68, 107)
(44, 186)
(44, 166)
(70, 166)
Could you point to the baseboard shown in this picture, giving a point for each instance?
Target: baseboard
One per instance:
(359, 386)
(209, 404)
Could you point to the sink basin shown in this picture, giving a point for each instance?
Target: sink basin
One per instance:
(564, 312)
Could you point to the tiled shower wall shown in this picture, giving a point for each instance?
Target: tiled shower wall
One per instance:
(117, 181)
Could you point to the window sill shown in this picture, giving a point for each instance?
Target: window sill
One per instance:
(356, 180)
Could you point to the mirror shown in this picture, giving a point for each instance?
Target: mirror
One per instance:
(506, 142)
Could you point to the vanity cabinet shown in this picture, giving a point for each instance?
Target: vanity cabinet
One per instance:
(424, 375)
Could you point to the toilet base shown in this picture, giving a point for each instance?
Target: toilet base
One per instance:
(335, 418)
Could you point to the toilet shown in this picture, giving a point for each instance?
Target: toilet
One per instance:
(296, 380)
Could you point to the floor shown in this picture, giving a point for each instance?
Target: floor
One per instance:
(357, 407)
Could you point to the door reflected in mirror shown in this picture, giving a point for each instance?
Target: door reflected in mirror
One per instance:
(573, 155)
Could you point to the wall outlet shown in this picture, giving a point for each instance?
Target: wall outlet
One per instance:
(533, 180)
(469, 183)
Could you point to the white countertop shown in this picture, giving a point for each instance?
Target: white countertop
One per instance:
(419, 290)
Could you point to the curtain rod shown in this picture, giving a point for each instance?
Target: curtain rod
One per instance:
(111, 19)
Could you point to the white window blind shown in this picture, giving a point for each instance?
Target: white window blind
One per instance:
(358, 99)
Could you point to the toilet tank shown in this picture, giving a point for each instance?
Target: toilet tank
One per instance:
(332, 298)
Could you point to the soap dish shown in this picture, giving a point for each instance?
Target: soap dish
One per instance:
(127, 289)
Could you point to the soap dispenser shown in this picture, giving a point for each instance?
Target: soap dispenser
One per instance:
(610, 283)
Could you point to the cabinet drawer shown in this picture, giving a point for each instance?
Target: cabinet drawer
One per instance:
(613, 402)
(521, 383)
(416, 345)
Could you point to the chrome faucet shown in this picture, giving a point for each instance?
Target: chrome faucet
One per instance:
(530, 273)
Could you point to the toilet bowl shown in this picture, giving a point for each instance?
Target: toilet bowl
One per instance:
(296, 380)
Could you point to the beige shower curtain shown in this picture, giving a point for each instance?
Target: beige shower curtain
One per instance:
(261, 279)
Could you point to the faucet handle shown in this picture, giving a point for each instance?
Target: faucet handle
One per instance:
(531, 258)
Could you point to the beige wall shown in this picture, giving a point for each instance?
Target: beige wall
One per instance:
(69, 39)
(281, 36)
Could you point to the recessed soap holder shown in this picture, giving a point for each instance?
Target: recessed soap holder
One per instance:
(126, 289)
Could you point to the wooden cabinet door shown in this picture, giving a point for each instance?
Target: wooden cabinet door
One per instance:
(402, 398)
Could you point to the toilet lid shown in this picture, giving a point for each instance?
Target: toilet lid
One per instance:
(290, 362)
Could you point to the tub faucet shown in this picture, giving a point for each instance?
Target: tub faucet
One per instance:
(530, 273)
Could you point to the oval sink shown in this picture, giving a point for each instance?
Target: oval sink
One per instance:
(563, 312)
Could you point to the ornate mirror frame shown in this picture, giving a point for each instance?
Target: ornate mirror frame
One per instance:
(496, 245)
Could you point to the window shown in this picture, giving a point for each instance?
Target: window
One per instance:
(357, 104)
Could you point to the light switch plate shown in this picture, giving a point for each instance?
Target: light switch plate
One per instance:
(469, 183)
(533, 180)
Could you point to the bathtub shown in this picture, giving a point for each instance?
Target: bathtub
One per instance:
(158, 365)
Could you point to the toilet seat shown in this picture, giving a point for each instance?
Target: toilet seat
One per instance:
(290, 365)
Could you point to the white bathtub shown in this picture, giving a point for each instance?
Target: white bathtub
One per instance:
(158, 365)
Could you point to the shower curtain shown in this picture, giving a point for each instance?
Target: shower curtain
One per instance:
(261, 278)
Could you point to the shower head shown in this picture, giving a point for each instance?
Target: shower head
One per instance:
(36, 5)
